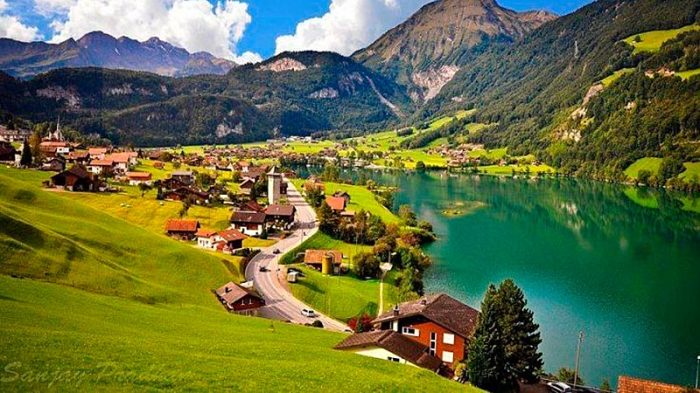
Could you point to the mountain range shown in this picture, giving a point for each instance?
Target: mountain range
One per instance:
(97, 49)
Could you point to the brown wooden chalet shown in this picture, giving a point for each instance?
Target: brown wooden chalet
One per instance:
(239, 299)
(181, 229)
(76, 178)
(280, 216)
(248, 222)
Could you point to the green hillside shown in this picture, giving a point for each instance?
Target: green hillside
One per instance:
(651, 41)
(85, 292)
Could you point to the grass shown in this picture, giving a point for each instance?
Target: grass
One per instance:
(508, 169)
(493, 154)
(692, 171)
(121, 308)
(615, 76)
(651, 41)
(321, 241)
(88, 342)
(342, 297)
(651, 164)
(685, 75)
(641, 197)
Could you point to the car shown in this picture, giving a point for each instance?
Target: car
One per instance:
(276, 251)
(559, 387)
(307, 312)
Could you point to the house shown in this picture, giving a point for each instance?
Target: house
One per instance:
(98, 153)
(336, 203)
(229, 240)
(314, 259)
(101, 167)
(280, 216)
(54, 164)
(246, 186)
(392, 346)
(184, 177)
(53, 148)
(76, 178)
(81, 157)
(136, 178)
(636, 385)
(248, 222)
(342, 194)
(254, 173)
(7, 152)
(252, 206)
(205, 238)
(122, 161)
(182, 229)
(182, 193)
(439, 322)
(239, 299)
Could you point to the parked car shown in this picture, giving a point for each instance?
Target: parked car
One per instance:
(308, 313)
(263, 269)
(276, 251)
(559, 387)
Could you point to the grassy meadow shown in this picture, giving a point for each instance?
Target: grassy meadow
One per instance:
(615, 76)
(651, 41)
(650, 164)
(321, 241)
(94, 302)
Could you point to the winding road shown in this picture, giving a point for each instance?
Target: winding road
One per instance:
(280, 303)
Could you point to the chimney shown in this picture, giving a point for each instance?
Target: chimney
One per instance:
(396, 309)
(228, 289)
(423, 301)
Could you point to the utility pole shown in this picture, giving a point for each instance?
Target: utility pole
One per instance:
(578, 356)
(697, 373)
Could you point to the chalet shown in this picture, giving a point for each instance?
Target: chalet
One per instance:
(154, 155)
(101, 167)
(280, 216)
(182, 229)
(98, 153)
(205, 238)
(243, 166)
(229, 240)
(54, 164)
(185, 193)
(7, 152)
(15, 135)
(184, 177)
(52, 148)
(636, 385)
(252, 206)
(314, 259)
(392, 346)
(239, 299)
(246, 186)
(249, 223)
(254, 173)
(79, 157)
(342, 194)
(336, 203)
(76, 178)
(136, 178)
(123, 161)
(439, 322)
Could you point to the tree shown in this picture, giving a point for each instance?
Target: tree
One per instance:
(366, 264)
(330, 173)
(567, 375)
(488, 367)
(26, 159)
(314, 194)
(35, 143)
(328, 220)
(425, 225)
(643, 177)
(520, 333)
(420, 166)
(605, 386)
(407, 215)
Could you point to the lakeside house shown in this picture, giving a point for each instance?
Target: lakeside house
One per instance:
(279, 216)
(76, 178)
(636, 385)
(238, 299)
(392, 346)
(182, 229)
(336, 203)
(250, 223)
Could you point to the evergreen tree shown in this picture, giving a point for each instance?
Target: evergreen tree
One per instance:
(520, 333)
(488, 366)
(26, 159)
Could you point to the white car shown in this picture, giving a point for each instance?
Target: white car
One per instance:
(559, 387)
(308, 313)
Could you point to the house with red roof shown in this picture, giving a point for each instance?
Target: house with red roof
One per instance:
(205, 238)
(239, 299)
(136, 178)
(636, 385)
(338, 204)
(229, 240)
(182, 229)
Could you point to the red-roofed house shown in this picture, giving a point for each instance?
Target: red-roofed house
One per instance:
(239, 299)
(636, 385)
(229, 240)
(205, 238)
(99, 167)
(182, 229)
(336, 203)
(136, 178)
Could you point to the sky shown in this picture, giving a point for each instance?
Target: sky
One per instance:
(240, 30)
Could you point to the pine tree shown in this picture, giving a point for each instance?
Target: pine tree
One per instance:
(520, 333)
(26, 159)
(488, 367)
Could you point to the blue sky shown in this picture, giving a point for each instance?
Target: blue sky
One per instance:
(238, 29)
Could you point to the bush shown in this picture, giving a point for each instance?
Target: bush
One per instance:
(366, 265)
(317, 324)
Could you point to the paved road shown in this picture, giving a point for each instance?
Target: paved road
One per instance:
(280, 304)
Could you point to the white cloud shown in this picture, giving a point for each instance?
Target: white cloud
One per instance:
(195, 25)
(12, 27)
(348, 25)
(248, 57)
(49, 7)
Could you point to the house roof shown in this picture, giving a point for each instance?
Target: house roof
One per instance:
(248, 217)
(342, 194)
(395, 343)
(636, 385)
(231, 235)
(232, 292)
(203, 232)
(101, 163)
(252, 205)
(336, 203)
(78, 154)
(95, 151)
(175, 225)
(139, 175)
(280, 210)
(123, 157)
(247, 182)
(439, 308)
(314, 257)
(77, 171)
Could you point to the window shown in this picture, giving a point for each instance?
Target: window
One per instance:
(393, 359)
(409, 331)
(433, 343)
(448, 338)
(447, 357)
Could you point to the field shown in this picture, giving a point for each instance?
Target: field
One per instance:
(105, 305)
(615, 76)
(321, 241)
(685, 75)
(342, 297)
(651, 41)
(650, 164)
(493, 154)
(692, 171)
(508, 169)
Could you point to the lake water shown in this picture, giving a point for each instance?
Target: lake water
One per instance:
(589, 257)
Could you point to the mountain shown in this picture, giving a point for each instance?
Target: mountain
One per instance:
(424, 52)
(98, 49)
(539, 93)
(291, 93)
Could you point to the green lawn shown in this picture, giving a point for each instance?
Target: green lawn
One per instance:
(127, 310)
(492, 154)
(650, 164)
(615, 76)
(342, 297)
(685, 75)
(651, 41)
(692, 171)
(321, 241)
